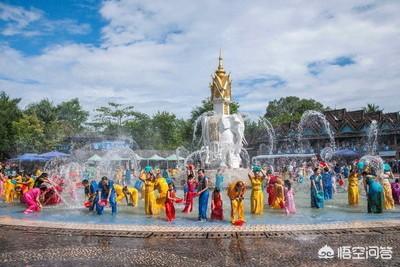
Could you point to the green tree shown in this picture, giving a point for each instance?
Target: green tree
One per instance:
(290, 109)
(167, 131)
(71, 116)
(370, 108)
(9, 113)
(140, 129)
(44, 110)
(29, 132)
(251, 131)
(54, 130)
(54, 135)
(113, 117)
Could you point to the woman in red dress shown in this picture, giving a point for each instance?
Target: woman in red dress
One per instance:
(217, 212)
(169, 203)
(271, 188)
(191, 187)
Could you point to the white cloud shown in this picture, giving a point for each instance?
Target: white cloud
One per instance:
(159, 55)
(33, 22)
(17, 19)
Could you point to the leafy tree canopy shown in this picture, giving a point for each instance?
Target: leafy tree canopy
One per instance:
(370, 108)
(290, 109)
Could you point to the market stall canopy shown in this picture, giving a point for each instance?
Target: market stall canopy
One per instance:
(156, 157)
(346, 153)
(117, 158)
(283, 156)
(30, 157)
(139, 157)
(95, 157)
(54, 154)
(174, 157)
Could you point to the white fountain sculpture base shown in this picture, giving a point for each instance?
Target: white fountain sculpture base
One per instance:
(223, 138)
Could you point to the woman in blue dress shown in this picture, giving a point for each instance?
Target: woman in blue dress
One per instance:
(374, 192)
(107, 195)
(327, 183)
(317, 192)
(219, 179)
(203, 193)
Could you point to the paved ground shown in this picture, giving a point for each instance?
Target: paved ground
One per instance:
(38, 248)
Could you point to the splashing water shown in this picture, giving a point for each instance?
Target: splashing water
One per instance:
(197, 157)
(65, 179)
(374, 162)
(201, 121)
(315, 119)
(115, 160)
(372, 138)
(181, 152)
(66, 174)
(327, 154)
(268, 134)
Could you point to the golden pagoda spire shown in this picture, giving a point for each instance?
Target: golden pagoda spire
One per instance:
(221, 88)
(220, 61)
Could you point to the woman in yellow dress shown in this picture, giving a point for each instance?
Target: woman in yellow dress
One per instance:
(162, 188)
(236, 192)
(9, 190)
(256, 178)
(119, 192)
(388, 203)
(279, 201)
(132, 196)
(353, 191)
(150, 205)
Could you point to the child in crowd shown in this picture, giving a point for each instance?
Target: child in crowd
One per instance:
(169, 203)
(217, 212)
(290, 206)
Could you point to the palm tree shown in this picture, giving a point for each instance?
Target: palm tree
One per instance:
(372, 108)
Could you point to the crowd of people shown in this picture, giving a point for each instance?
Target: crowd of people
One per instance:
(158, 191)
(32, 189)
(293, 147)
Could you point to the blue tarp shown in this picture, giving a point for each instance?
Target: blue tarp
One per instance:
(53, 154)
(30, 157)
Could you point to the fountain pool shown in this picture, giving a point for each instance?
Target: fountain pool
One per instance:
(335, 211)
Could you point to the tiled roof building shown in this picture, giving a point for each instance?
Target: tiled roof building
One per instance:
(350, 130)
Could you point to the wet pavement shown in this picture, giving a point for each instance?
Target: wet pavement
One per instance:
(30, 248)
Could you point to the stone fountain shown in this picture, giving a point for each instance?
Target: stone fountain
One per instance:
(221, 137)
(222, 133)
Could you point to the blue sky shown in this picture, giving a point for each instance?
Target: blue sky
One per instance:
(55, 23)
(159, 55)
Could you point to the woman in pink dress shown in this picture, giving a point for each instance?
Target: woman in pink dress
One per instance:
(32, 199)
(2, 180)
(290, 206)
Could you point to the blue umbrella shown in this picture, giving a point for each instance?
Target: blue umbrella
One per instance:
(53, 154)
